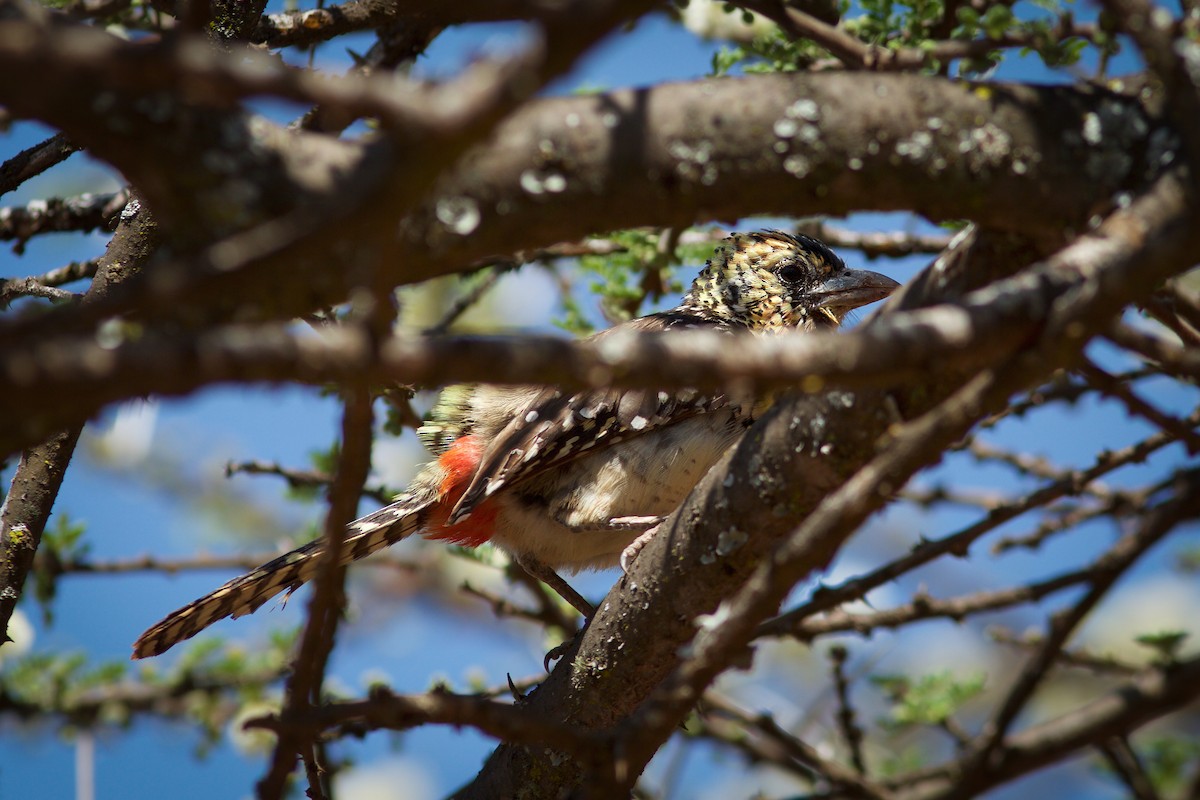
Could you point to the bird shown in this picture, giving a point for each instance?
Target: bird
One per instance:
(576, 481)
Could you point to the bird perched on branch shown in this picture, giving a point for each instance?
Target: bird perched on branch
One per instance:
(574, 481)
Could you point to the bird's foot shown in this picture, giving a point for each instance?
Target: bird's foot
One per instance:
(633, 523)
(635, 547)
(560, 650)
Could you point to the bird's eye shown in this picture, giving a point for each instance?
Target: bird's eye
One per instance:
(791, 272)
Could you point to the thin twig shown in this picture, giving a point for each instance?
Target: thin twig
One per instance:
(1158, 523)
(1112, 387)
(1125, 763)
(328, 597)
(851, 732)
(959, 543)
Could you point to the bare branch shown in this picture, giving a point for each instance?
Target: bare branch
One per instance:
(1157, 524)
(385, 710)
(34, 161)
(791, 748)
(328, 597)
(83, 213)
(1128, 706)
(1169, 356)
(298, 477)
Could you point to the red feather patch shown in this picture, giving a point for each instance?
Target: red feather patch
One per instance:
(460, 462)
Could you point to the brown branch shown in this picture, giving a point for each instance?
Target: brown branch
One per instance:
(872, 244)
(1077, 658)
(913, 445)
(173, 698)
(1158, 522)
(974, 331)
(56, 215)
(297, 478)
(26, 508)
(1071, 518)
(1121, 711)
(781, 747)
(328, 599)
(298, 28)
(806, 628)
(980, 181)
(47, 285)
(39, 475)
(1124, 761)
(1037, 467)
(849, 727)
(35, 160)
(857, 54)
(1181, 362)
(710, 547)
(1110, 386)
(959, 543)
(1165, 306)
(384, 710)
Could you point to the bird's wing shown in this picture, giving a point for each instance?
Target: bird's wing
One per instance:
(554, 428)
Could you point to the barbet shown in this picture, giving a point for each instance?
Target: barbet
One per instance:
(574, 481)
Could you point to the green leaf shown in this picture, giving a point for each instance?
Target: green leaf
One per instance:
(930, 700)
(1165, 644)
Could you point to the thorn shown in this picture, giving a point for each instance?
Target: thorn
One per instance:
(517, 697)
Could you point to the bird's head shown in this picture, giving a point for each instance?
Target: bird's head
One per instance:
(772, 281)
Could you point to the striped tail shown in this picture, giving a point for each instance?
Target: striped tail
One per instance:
(245, 594)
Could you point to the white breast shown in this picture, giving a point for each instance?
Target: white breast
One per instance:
(562, 517)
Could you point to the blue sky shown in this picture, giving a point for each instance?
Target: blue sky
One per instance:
(131, 509)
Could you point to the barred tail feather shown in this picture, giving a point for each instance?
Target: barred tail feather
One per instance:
(245, 594)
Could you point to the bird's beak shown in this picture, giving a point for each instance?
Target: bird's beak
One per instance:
(853, 288)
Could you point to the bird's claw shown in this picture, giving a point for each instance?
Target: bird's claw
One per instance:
(557, 652)
(635, 547)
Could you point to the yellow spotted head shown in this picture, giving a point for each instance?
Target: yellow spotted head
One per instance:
(772, 281)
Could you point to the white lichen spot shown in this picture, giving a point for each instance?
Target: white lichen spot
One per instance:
(809, 134)
(572, 120)
(804, 109)
(855, 164)
(459, 214)
(730, 540)
(531, 182)
(1091, 128)
(916, 147)
(796, 165)
(130, 210)
(785, 128)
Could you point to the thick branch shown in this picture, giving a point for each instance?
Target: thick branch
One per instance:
(778, 474)
(671, 155)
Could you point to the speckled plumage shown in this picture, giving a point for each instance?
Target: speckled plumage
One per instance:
(548, 476)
